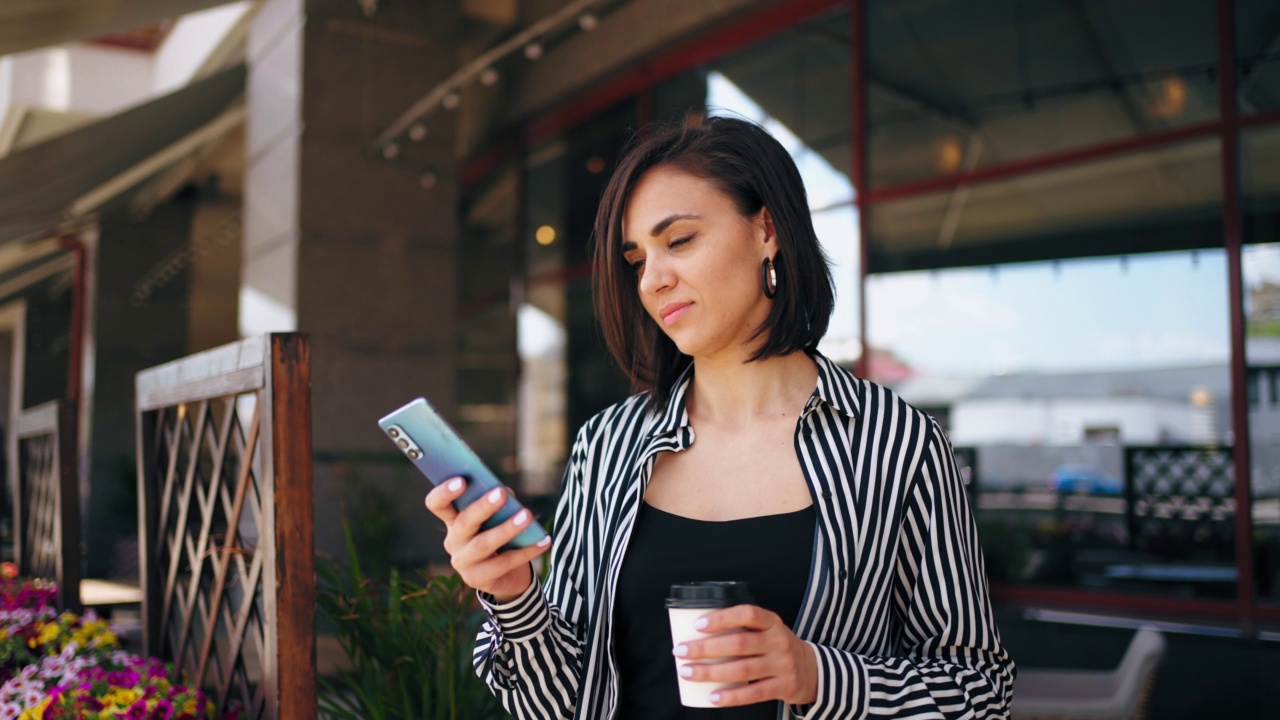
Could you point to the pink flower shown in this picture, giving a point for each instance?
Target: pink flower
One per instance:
(162, 711)
(123, 678)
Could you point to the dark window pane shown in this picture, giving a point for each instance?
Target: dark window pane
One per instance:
(955, 85)
(1257, 55)
(1144, 201)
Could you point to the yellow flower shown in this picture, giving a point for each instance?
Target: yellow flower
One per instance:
(189, 706)
(49, 633)
(124, 697)
(36, 712)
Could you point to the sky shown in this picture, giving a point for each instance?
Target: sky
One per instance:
(1143, 311)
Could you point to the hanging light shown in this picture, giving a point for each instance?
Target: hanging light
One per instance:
(1172, 99)
(545, 235)
(950, 155)
(417, 132)
(451, 101)
(488, 77)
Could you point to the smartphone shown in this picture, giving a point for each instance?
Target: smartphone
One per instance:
(439, 454)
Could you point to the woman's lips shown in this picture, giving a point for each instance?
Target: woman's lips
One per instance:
(671, 312)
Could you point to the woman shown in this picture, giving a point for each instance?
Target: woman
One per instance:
(836, 501)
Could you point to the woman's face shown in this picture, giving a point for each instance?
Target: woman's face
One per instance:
(697, 261)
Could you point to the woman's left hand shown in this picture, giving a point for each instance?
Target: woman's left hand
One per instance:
(779, 665)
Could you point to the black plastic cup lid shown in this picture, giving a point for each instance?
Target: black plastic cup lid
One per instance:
(709, 595)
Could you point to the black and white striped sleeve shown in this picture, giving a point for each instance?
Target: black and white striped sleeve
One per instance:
(949, 662)
(529, 650)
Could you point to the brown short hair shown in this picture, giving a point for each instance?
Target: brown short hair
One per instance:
(753, 169)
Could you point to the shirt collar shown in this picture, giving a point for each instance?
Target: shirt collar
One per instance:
(836, 387)
(675, 416)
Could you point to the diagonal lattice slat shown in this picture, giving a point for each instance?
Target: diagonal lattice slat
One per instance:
(41, 501)
(209, 485)
(225, 440)
(46, 517)
(1183, 502)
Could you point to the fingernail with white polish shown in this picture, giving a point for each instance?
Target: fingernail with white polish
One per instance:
(715, 698)
(495, 497)
(521, 519)
(686, 671)
(700, 624)
(544, 542)
(680, 650)
(455, 485)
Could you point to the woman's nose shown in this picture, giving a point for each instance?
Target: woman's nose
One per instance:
(655, 276)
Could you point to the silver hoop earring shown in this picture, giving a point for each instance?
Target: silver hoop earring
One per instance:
(769, 278)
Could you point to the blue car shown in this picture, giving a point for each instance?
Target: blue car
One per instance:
(1084, 479)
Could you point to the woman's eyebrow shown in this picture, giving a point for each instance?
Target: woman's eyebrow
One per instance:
(662, 224)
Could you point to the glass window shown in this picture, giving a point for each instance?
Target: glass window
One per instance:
(486, 367)
(954, 85)
(563, 181)
(1260, 150)
(1257, 56)
(1091, 400)
(1168, 197)
(797, 85)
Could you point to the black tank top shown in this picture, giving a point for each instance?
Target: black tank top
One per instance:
(771, 553)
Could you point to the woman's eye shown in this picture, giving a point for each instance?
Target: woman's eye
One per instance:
(636, 265)
(680, 241)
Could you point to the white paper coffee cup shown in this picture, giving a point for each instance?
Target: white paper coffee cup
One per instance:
(686, 603)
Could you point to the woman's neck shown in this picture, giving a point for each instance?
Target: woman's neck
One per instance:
(736, 393)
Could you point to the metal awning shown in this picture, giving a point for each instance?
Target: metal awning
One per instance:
(31, 24)
(45, 185)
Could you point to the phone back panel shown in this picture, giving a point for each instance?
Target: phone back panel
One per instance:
(446, 455)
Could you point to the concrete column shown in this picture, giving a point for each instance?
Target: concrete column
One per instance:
(349, 246)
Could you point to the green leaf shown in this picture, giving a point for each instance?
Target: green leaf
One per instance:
(409, 642)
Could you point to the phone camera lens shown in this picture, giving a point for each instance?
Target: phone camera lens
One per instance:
(404, 444)
(414, 454)
(393, 432)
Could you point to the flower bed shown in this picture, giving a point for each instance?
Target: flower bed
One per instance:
(63, 665)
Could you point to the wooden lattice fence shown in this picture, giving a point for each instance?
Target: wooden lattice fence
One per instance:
(46, 497)
(226, 534)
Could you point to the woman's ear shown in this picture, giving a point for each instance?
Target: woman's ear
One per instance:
(764, 226)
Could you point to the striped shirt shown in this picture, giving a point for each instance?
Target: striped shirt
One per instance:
(896, 606)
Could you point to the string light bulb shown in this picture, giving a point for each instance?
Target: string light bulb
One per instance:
(950, 155)
(1172, 99)
(588, 21)
(533, 51)
(417, 132)
(391, 151)
(488, 77)
(451, 101)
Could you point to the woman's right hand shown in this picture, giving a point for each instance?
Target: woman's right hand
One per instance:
(473, 552)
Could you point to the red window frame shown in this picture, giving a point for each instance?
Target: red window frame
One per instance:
(640, 79)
